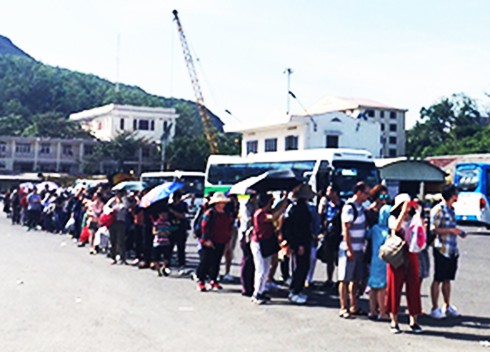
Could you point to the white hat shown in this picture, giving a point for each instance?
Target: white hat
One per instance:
(399, 200)
(218, 197)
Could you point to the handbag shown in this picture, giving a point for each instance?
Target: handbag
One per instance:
(107, 219)
(418, 237)
(269, 246)
(393, 251)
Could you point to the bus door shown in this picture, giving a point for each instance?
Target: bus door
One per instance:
(323, 176)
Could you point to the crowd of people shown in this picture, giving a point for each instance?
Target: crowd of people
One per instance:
(288, 232)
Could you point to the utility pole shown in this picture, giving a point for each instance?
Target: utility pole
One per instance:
(288, 71)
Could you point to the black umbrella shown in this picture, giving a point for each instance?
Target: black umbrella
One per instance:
(275, 180)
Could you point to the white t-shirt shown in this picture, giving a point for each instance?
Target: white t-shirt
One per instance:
(405, 227)
(357, 228)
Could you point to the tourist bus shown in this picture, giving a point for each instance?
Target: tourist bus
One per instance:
(473, 182)
(193, 181)
(317, 167)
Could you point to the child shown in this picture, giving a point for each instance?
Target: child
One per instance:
(161, 242)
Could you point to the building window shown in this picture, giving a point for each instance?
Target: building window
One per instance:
(392, 153)
(392, 140)
(291, 143)
(67, 150)
(392, 128)
(252, 147)
(88, 150)
(332, 141)
(145, 152)
(152, 125)
(370, 113)
(121, 124)
(3, 148)
(135, 125)
(382, 127)
(382, 114)
(271, 145)
(143, 125)
(392, 115)
(23, 148)
(3, 165)
(45, 148)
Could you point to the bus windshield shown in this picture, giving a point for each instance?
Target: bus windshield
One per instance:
(192, 183)
(347, 173)
(467, 179)
(229, 174)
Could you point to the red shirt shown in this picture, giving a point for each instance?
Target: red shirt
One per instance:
(262, 229)
(221, 227)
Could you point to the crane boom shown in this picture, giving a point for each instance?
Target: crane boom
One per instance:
(203, 112)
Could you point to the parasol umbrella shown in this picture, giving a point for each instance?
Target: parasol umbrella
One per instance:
(159, 193)
(42, 186)
(28, 185)
(275, 180)
(130, 186)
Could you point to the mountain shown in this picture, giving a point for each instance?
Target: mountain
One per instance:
(29, 87)
(7, 47)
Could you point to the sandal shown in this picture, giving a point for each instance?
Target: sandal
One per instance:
(359, 312)
(344, 313)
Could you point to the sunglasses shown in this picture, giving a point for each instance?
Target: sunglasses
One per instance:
(383, 196)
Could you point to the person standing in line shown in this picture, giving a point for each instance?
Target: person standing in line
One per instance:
(178, 217)
(162, 229)
(216, 229)
(33, 209)
(231, 208)
(16, 197)
(297, 231)
(351, 254)
(264, 218)
(377, 235)
(408, 273)
(94, 210)
(118, 206)
(446, 254)
(247, 267)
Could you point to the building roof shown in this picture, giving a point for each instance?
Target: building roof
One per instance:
(331, 103)
(106, 109)
(404, 169)
(274, 119)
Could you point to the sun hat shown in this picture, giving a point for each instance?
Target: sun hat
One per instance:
(303, 191)
(399, 200)
(218, 197)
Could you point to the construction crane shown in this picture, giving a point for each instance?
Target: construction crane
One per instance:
(203, 112)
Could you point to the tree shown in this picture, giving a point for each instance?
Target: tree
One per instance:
(54, 125)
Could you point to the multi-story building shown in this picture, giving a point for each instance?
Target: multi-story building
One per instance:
(391, 120)
(281, 132)
(106, 122)
(71, 156)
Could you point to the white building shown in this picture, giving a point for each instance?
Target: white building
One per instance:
(106, 122)
(391, 120)
(281, 132)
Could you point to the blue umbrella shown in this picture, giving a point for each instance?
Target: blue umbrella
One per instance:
(159, 193)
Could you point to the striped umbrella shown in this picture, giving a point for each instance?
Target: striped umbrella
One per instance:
(159, 193)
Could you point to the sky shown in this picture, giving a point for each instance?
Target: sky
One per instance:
(407, 54)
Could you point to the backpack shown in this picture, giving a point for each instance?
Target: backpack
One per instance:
(334, 234)
(198, 221)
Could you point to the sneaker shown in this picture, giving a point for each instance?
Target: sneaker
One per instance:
(270, 285)
(416, 329)
(228, 278)
(451, 311)
(166, 271)
(304, 296)
(264, 297)
(215, 286)
(395, 329)
(297, 299)
(201, 286)
(257, 300)
(437, 314)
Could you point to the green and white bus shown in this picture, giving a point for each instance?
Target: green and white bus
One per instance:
(318, 167)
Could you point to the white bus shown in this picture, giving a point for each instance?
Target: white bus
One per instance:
(193, 181)
(318, 167)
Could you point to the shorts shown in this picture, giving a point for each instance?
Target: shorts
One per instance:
(351, 270)
(166, 251)
(444, 268)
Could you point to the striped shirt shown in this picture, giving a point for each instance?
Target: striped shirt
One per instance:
(161, 232)
(443, 217)
(358, 226)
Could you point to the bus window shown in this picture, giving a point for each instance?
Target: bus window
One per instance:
(488, 183)
(347, 173)
(467, 179)
(193, 184)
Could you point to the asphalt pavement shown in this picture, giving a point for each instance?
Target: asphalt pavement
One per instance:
(56, 297)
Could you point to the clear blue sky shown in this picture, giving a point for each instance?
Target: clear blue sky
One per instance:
(407, 54)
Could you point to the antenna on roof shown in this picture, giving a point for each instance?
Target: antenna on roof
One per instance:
(288, 71)
(117, 61)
